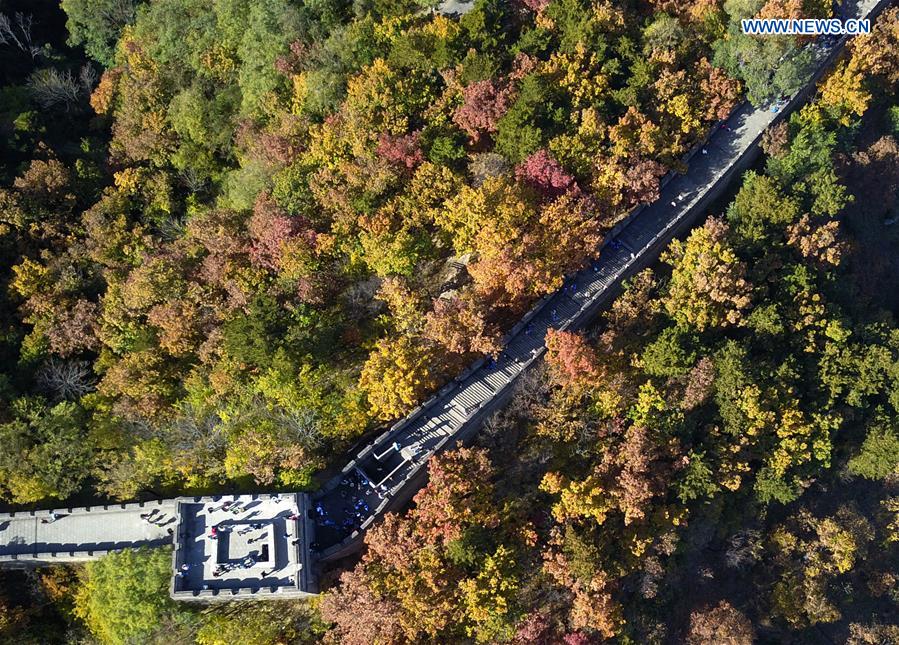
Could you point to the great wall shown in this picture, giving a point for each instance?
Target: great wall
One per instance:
(224, 546)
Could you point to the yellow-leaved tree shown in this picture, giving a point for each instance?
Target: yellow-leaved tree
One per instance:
(398, 374)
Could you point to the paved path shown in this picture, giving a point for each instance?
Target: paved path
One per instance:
(391, 466)
(83, 533)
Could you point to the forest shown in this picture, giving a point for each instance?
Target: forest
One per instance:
(239, 236)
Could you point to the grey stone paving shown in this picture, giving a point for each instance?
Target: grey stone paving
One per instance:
(242, 543)
(455, 7)
(84, 533)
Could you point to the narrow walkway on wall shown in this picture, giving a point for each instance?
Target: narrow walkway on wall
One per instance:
(77, 534)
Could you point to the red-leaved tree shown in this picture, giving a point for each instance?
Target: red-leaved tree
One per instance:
(484, 104)
(402, 150)
(544, 174)
(570, 359)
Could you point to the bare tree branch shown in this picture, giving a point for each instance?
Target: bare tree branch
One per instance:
(192, 180)
(51, 87)
(17, 32)
(88, 78)
(744, 548)
(66, 380)
(304, 426)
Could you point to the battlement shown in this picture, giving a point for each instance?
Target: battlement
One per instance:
(236, 547)
(84, 533)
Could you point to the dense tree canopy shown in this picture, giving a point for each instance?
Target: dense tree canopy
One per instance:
(120, 596)
(729, 427)
(275, 171)
(238, 236)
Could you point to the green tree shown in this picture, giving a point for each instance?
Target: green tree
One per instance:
(97, 25)
(534, 115)
(44, 451)
(769, 66)
(671, 354)
(807, 168)
(123, 598)
(760, 209)
(878, 456)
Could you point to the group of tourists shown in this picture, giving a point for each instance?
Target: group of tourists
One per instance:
(228, 506)
(156, 517)
(247, 563)
(349, 517)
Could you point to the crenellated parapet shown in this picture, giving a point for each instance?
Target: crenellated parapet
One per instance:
(78, 534)
(242, 547)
